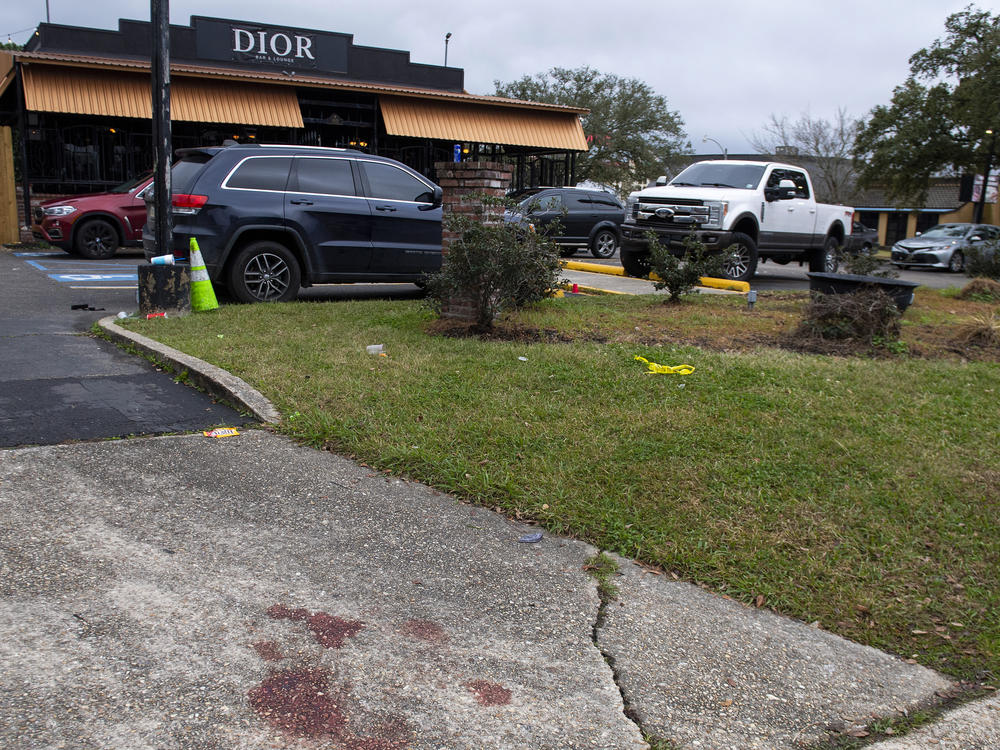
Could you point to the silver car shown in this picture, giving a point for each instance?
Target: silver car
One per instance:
(943, 246)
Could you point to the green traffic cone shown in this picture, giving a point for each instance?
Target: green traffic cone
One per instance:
(202, 294)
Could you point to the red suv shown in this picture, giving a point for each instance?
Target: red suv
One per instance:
(97, 224)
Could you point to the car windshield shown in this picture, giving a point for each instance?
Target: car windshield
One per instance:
(947, 230)
(127, 186)
(714, 174)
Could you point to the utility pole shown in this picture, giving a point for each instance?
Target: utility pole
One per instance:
(162, 135)
(981, 203)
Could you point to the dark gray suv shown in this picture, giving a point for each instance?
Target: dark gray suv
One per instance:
(270, 219)
(588, 218)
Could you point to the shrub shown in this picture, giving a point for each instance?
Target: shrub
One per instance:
(984, 261)
(982, 331)
(869, 315)
(863, 264)
(679, 275)
(494, 264)
(981, 290)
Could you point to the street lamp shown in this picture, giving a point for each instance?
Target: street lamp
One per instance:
(978, 218)
(446, 38)
(705, 139)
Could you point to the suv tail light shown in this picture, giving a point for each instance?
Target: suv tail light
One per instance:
(188, 204)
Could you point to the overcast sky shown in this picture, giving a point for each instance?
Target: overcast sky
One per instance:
(724, 65)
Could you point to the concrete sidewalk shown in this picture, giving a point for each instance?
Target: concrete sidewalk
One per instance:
(245, 592)
(188, 592)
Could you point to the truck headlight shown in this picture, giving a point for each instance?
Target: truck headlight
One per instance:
(717, 211)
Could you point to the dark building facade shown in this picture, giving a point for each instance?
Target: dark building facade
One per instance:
(79, 103)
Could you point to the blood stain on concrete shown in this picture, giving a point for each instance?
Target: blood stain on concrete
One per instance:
(425, 630)
(489, 693)
(281, 612)
(268, 650)
(298, 702)
(330, 631)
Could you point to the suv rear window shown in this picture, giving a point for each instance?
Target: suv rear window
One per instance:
(261, 173)
(184, 172)
(323, 176)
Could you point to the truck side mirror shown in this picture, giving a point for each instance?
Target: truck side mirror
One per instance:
(786, 190)
(661, 180)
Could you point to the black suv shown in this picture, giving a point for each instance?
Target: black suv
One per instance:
(589, 218)
(269, 219)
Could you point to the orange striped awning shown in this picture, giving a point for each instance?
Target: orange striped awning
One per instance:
(48, 88)
(482, 123)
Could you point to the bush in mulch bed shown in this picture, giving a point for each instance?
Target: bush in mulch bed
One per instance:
(981, 290)
(867, 316)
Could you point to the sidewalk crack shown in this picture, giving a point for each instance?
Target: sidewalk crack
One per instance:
(602, 568)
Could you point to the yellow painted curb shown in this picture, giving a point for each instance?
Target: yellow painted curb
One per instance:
(728, 284)
(590, 290)
(575, 265)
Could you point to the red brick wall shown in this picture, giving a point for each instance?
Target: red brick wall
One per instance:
(461, 182)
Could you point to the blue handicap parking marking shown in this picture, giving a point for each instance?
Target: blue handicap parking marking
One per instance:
(65, 269)
(64, 277)
(37, 254)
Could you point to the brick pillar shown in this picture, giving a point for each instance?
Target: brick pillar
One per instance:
(462, 184)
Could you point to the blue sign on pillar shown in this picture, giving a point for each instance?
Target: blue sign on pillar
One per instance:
(458, 152)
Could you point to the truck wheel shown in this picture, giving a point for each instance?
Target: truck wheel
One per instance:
(97, 239)
(264, 271)
(740, 262)
(635, 262)
(825, 259)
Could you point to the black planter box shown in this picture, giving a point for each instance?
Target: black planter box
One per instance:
(164, 288)
(845, 283)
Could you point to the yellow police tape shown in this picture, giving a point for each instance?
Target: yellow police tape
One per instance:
(655, 369)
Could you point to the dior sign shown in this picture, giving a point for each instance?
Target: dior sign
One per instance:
(258, 46)
(276, 44)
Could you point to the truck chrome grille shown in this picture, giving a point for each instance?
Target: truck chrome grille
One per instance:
(672, 212)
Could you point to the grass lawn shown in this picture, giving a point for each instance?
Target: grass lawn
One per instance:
(862, 492)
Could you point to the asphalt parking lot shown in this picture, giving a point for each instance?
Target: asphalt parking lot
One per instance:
(774, 277)
(60, 383)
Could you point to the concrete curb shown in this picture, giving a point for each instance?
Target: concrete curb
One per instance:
(214, 380)
(706, 281)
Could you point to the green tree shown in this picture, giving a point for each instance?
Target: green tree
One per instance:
(939, 117)
(630, 129)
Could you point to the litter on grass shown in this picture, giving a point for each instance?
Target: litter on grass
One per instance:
(654, 369)
(221, 432)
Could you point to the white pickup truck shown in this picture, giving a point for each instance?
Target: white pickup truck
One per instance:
(763, 210)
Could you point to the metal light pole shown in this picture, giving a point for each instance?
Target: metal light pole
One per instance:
(725, 153)
(978, 217)
(446, 38)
